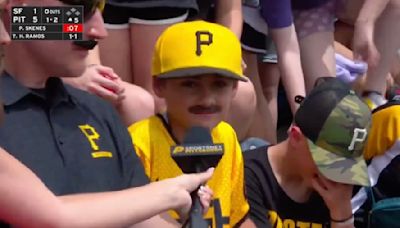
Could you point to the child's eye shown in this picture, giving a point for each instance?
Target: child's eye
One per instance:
(220, 83)
(189, 84)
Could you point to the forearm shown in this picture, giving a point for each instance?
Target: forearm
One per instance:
(117, 209)
(288, 52)
(25, 201)
(343, 212)
(38, 207)
(289, 62)
(229, 14)
(370, 11)
(163, 220)
(29, 204)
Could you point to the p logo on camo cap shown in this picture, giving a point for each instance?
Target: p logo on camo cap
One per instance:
(336, 123)
(198, 47)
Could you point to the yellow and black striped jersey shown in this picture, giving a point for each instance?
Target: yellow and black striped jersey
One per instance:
(385, 130)
(153, 141)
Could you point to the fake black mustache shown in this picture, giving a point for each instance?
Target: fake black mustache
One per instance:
(86, 44)
(204, 109)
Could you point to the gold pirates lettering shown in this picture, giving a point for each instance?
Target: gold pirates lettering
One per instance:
(277, 222)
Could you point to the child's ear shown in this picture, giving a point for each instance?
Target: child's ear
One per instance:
(158, 86)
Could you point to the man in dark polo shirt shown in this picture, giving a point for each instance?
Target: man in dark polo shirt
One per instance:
(73, 141)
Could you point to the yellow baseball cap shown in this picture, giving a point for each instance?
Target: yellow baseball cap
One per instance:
(197, 47)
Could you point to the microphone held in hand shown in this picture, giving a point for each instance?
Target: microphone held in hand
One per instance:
(197, 154)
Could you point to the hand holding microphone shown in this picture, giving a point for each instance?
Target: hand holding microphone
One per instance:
(184, 194)
(195, 155)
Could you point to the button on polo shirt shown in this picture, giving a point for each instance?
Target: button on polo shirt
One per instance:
(75, 142)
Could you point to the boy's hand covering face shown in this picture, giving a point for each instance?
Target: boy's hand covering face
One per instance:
(337, 196)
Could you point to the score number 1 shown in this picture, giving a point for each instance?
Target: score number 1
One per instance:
(73, 36)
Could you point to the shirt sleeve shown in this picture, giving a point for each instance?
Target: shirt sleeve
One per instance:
(131, 165)
(254, 192)
(277, 13)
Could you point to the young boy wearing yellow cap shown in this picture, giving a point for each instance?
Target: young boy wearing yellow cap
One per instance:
(196, 68)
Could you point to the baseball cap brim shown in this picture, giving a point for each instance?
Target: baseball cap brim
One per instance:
(195, 71)
(340, 169)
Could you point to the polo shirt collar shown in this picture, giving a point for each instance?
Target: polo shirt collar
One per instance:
(12, 91)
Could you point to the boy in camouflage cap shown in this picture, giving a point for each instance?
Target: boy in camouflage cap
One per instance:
(306, 180)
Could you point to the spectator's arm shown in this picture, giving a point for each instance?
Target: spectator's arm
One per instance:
(371, 10)
(24, 199)
(138, 205)
(162, 220)
(363, 41)
(289, 62)
(100, 81)
(132, 102)
(26, 202)
(229, 14)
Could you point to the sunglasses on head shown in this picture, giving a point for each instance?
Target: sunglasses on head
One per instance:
(89, 6)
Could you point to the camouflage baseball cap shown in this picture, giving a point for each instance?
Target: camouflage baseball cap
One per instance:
(336, 123)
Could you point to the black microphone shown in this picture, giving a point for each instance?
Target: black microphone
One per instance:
(197, 154)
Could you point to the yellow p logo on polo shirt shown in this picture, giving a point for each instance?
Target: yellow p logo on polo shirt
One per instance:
(92, 136)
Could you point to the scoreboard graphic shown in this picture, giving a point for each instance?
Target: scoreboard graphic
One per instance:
(47, 23)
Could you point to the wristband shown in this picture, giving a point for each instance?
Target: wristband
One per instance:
(346, 221)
